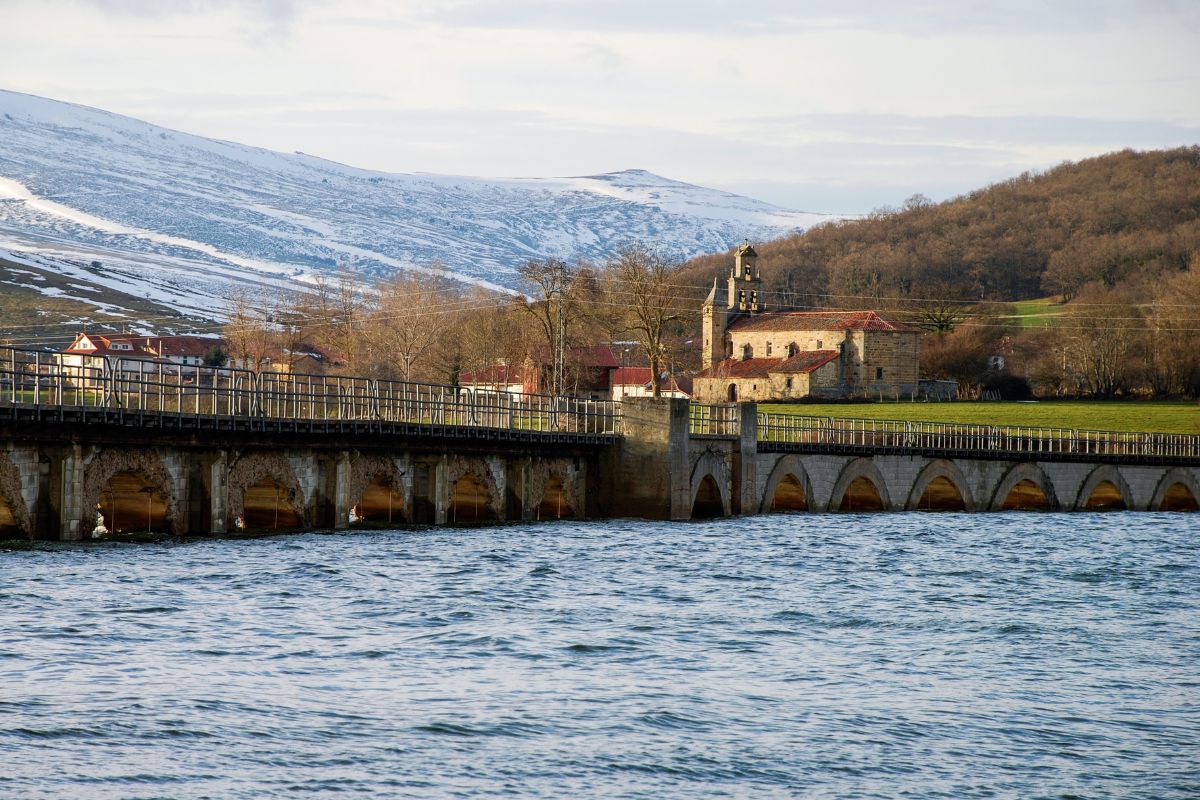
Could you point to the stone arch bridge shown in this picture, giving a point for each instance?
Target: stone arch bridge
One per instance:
(722, 460)
(219, 453)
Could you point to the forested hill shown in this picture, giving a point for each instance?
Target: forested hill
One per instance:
(1123, 219)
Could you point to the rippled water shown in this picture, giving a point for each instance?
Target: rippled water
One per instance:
(831, 656)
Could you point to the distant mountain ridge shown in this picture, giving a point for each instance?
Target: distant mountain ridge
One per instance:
(189, 214)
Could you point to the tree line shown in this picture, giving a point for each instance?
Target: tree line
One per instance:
(421, 325)
(1112, 244)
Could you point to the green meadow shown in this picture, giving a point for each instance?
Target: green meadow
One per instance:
(1136, 415)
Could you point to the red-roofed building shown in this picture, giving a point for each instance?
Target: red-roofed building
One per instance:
(589, 373)
(754, 354)
(635, 382)
(182, 350)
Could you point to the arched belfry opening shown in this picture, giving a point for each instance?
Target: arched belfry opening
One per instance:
(130, 502)
(708, 503)
(470, 501)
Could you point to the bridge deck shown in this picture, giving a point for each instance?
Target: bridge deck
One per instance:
(800, 434)
(86, 390)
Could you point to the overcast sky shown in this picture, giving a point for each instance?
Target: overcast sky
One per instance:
(831, 106)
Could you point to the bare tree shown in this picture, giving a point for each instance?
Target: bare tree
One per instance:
(941, 311)
(410, 323)
(491, 331)
(289, 325)
(555, 289)
(337, 310)
(247, 331)
(1101, 340)
(640, 284)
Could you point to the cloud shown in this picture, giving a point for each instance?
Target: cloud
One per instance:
(277, 10)
(760, 17)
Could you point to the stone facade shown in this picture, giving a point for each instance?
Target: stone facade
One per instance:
(752, 354)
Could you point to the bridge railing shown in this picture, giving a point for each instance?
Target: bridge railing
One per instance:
(42, 380)
(1007, 439)
(721, 419)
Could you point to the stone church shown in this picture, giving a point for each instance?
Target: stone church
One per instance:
(754, 354)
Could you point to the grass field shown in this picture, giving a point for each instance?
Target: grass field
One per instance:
(1149, 416)
(1037, 313)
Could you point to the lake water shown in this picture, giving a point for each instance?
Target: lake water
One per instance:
(906, 655)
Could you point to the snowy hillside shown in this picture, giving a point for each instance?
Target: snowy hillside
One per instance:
(189, 214)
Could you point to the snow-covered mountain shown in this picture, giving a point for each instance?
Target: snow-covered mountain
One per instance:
(185, 215)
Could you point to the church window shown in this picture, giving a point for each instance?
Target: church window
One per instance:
(789, 383)
(747, 352)
(879, 373)
(820, 345)
(768, 348)
(793, 349)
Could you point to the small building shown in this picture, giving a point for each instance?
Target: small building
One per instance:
(496, 378)
(754, 354)
(589, 373)
(635, 382)
(109, 345)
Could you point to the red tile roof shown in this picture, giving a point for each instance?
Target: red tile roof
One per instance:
(600, 356)
(806, 361)
(817, 321)
(495, 375)
(191, 346)
(138, 345)
(742, 368)
(631, 376)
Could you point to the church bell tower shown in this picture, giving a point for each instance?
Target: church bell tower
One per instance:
(716, 317)
(745, 284)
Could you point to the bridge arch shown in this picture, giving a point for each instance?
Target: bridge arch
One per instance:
(1104, 489)
(1177, 490)
(860, 487)
(553, 490)
(940, 486)
(377, 489)
(14, 514)
(474, 491)
(265, 494)
(710, 487)
(790, 478)
(131, 490)
(1024, 487)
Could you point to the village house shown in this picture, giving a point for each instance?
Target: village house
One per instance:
(754, 354)
(589, 374)
(139, 351)
(635, 382)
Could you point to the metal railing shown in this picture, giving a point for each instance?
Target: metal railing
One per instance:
(714, 420)
(56, 381)
(999, 439)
